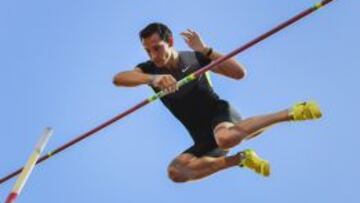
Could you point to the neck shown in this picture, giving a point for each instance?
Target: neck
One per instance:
(174, 59)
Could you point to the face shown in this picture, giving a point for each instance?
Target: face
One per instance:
(158, 50)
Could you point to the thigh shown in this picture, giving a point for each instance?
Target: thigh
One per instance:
(223, 127)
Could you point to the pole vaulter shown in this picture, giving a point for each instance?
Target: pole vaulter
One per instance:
(180, 83)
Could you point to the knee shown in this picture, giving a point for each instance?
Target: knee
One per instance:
(176, 175)
(225, 141)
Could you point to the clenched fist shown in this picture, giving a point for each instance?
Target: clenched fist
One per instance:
(194, 41)
(166, 83)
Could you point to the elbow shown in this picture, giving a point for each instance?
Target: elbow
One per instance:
(238, 71)
(117, 80)
(240, 74)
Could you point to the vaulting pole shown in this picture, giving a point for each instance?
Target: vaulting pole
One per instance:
(30, 164)
(180, 83)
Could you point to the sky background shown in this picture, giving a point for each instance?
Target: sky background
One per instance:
(58, 59)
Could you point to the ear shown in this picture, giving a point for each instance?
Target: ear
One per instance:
(171, 41)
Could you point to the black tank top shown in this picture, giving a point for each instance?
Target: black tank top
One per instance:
(193, 103)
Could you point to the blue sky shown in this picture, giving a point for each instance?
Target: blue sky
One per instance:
(57, 63)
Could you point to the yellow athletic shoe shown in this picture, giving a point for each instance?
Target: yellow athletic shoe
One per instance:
(305, 111)
(252, 161)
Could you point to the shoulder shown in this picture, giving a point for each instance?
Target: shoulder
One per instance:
(146, 67)
(195, 57)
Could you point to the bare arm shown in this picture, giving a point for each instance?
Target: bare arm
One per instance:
(138, 77)
(132, 78)
(230, 68)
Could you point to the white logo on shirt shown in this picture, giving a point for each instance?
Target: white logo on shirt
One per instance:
(185, 69)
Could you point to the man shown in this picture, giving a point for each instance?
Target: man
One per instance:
(213, 124)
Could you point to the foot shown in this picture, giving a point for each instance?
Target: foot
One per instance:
(305, 111)
(249, 159)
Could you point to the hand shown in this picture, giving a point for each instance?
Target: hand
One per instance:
(166, 83)
(194, 41)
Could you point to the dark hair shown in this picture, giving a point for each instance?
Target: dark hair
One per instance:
(163, 31)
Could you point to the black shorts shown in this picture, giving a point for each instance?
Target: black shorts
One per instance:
(203, 135)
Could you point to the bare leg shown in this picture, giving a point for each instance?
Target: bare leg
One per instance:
(228, 135)
(187, 167)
